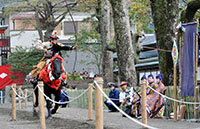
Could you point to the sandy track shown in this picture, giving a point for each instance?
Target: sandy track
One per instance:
(76, 118)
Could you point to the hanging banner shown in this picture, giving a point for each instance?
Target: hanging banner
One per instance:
(188, 60)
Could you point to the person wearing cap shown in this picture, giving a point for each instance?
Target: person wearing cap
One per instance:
(126, 98)
(161, 86)
(114, 96)
(63, 96)
(159, 78)
(151, 83)
(143, 79)
(57, 47)
(49, 49)
(155, 101)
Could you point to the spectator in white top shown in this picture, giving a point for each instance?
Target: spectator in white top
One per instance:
(126, 98)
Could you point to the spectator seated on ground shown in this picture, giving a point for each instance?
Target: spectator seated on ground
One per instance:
(114, 96)
(137, 98)
(85, 75)
(154, 101)
(63, 97)
(126, 98)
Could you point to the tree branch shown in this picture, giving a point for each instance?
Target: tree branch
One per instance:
(189, 13)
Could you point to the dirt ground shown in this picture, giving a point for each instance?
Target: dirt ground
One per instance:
(26, 119)
(75, 118)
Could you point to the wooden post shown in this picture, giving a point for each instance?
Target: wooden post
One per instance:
(144, 103)
(41, 106)
(182, 112)
(195, 81)
(26, 94)
(14, 102)
(99, 103)
(19, 98)
(180, 65)
(175, 93)
(90, 102)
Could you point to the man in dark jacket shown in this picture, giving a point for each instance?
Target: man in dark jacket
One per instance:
(57, 47)
(114, 96)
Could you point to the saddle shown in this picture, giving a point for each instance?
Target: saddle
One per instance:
(46, 74)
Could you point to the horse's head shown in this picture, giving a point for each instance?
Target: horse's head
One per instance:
(57, 68)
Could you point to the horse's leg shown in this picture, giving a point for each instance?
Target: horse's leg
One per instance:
(35, 105)
(57, 99)
(47, 92)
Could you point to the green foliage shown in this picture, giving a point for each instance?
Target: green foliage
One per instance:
(23, 59)
(74, 76)
(87, 5)
(139, 12)
(88, 41)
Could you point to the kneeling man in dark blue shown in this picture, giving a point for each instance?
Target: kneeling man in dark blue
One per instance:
(114, 96)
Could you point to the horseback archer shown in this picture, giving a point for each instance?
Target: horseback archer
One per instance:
(50, 49)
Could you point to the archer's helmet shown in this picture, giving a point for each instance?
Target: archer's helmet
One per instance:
(53, 36)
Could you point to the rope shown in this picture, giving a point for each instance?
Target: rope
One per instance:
(23, 94)
(68, 95)
(172, 98)
(132, 119)
(5, 95)
(63, 102)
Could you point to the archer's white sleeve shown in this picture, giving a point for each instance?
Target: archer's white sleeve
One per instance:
(38, 45)
(121, 97)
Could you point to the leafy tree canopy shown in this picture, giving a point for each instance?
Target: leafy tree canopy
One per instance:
(139, 12)
(23, 59)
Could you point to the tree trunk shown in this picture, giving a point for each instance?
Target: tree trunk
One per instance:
(107, 56)
(123, 41)
(165, 14)
(38, 24)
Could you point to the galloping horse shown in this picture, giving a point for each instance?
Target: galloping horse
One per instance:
(51, 75)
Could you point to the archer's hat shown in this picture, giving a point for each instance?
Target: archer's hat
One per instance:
(123, 83)
(150, 75)
(143, 77)
(160, 76)
(53, 36)
(110, 84)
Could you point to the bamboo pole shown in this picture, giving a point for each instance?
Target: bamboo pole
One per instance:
(26, 94)
(144, 103)
(182, 111)
(99, 104)
(180, 75)
(41, 106)
(180, 63)
(14, 102)
(175, 93)
(19, 98)
(90, 102)
(195, 85)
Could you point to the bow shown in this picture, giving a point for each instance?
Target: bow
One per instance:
(75, 30)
